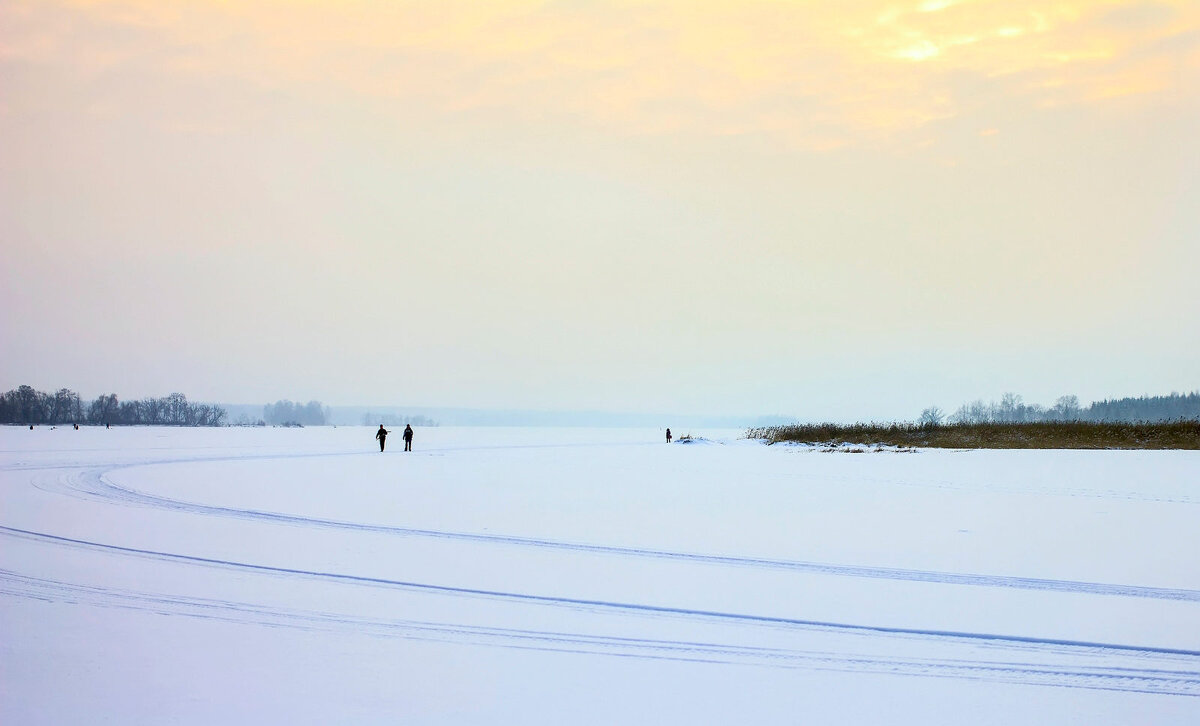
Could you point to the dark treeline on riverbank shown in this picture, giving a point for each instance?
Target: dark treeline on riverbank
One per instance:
(1012, 409)
(25, 405)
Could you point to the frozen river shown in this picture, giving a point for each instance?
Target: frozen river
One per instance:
(589, 576)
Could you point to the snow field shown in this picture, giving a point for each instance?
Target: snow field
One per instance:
(589, 576)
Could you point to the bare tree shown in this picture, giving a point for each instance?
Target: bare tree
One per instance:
(931, 416)
(177, 409)
(1066, 408)
(1011, 408)
(104, 410)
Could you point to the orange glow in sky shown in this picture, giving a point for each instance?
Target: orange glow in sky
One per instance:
(814, 75)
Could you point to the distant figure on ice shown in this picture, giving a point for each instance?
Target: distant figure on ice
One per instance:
(668, 436)
(381, 434)
(407, 437)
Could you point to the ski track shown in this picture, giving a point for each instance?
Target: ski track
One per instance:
(1180, 674)
(92, 482)
(1154, 680)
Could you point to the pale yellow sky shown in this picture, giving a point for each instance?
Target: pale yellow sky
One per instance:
(831, 210)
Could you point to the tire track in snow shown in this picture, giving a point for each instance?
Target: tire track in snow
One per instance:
(93, 482)
(1094, 677)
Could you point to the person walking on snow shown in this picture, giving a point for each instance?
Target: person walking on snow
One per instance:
(668, 436)
(408, 432)
(381, 434)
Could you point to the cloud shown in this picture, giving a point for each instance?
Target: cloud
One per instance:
(803, 75)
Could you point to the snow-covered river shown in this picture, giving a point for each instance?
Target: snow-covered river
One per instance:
(589, 576)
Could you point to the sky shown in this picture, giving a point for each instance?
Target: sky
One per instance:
(828, 210)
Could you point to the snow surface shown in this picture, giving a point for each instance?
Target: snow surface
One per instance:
(589, 576)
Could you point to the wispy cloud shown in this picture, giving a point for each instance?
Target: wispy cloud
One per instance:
(809, 75)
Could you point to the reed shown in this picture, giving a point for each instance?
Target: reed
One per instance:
(1182, 434)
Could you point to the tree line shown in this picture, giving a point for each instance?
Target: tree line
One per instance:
(1012, 409)
(287, 413)
(25, 405)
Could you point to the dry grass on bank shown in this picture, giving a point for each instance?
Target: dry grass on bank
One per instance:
(1039, 435)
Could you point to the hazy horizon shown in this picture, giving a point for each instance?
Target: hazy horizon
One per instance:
(239, 412)
(827, 211)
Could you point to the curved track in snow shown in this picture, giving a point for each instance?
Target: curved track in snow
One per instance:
(93, 483)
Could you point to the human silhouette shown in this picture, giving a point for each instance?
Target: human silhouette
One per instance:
(668, 436)
(408, 434)
(381, 434)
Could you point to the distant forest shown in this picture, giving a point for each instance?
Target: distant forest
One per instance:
(28, 406)
(1012, 409)
(287, 413)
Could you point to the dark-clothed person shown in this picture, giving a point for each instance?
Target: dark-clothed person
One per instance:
(381, 434)
(408, 434)
(668, 436)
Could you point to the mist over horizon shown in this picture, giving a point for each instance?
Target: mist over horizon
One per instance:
(25, 405)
